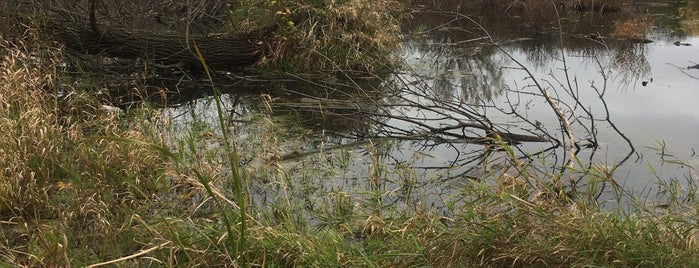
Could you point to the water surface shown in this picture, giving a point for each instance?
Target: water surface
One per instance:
(648, 90)
(471, 68)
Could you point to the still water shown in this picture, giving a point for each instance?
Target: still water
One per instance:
(649, 92)
(630, 101)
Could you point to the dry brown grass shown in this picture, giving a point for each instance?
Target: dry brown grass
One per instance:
(331, 36)
(74, 191)
(59, 179)
(30, 123)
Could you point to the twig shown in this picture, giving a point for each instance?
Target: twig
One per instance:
(680, 68)
(559, 113)
(566, 127)
(65, 251)
(130, 256)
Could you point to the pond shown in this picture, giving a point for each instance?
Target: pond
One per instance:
(648, 88)
(621, 81)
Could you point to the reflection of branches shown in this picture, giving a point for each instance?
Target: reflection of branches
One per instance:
(427, 108)
(683, 71)
(565, 125)
(607, 118)
(450, 67)
(631, 63)
(566, 86)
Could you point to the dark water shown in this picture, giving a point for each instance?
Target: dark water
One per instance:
(467, 67)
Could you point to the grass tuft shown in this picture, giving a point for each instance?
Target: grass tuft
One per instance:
(325, 35)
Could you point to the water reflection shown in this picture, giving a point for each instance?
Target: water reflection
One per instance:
(465, 91)
(582, 35)
(668, 21)
(466, 73)
(606, 55)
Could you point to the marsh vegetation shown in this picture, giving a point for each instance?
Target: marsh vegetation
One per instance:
(357, 134)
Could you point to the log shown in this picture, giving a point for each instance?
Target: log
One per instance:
(220, 51)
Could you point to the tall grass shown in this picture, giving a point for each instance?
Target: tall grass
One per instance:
(58, 185)
(81, 185)
(232, 156)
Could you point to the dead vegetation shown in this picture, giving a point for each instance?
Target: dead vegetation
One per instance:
(59, 177)
(297, 35)
(337, 35)
(82, 184)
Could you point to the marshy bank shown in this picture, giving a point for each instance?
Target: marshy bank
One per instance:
(466, 145)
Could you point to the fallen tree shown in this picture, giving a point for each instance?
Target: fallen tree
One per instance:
(219, 51)
(141, 35)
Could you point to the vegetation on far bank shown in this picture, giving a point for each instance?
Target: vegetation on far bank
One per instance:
(84, 184)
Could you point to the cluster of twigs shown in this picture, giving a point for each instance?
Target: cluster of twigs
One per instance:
(415, 109)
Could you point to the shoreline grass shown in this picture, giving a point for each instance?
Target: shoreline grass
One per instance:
(81, 185)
